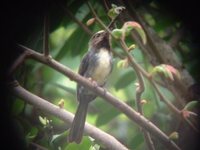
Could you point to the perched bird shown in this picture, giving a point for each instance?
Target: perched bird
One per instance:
(96, 66)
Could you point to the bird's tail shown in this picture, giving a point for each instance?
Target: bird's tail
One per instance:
(76, 131)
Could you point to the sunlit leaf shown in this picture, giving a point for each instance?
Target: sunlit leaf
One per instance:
(133, 46)
(174, 136)
(61, 103)
(43, 120)
(59, 140)
(57, 137)
(114, 11)
(191, 105)
(143, 101)
(120, 64)
(95, 147)
(123, 63)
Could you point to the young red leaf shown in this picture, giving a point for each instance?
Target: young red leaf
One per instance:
(162, 70)
(130, 25)
(173, 70)
(168, 71)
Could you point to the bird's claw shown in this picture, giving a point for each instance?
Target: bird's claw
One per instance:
(93, 82)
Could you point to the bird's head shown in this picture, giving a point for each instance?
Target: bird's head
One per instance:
(101, 39)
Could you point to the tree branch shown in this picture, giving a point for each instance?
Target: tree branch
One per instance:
(119, 104)
(107, 140)
(175, 39)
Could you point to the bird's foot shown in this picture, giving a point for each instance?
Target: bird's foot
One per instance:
(95, 84)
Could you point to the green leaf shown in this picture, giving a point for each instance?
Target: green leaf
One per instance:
(75, 45)
(191, 105)
(85, 144)
(130, 25)
(167, 70)
(43, 120)
(123, 63)
(142, 35)
(136, 141)
(174, 136)
(106, 116)
(32, 134)
(117, 33)
(114, 11)
(58, 140)
(125, 80)
(161, 70)
(17, 107)
(111, 13)
(95, 147)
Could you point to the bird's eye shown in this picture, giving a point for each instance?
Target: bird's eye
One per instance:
(97, 35)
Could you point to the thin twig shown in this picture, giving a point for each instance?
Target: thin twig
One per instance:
(192, 125)
(139, 90)
(38, 147)
(106, 5)
(18, 62)
(119, 104)
(46, 34)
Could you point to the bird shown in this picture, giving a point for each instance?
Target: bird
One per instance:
(96, 66)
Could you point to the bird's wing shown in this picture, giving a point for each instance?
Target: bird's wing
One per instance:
(84, 64)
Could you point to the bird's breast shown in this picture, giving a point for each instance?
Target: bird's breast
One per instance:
(103, 66)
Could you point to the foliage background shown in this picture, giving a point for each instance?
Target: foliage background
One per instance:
(68, 43)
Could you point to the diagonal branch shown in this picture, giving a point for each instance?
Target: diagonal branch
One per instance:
(107, 140)
(118, 104)
(17, 63)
